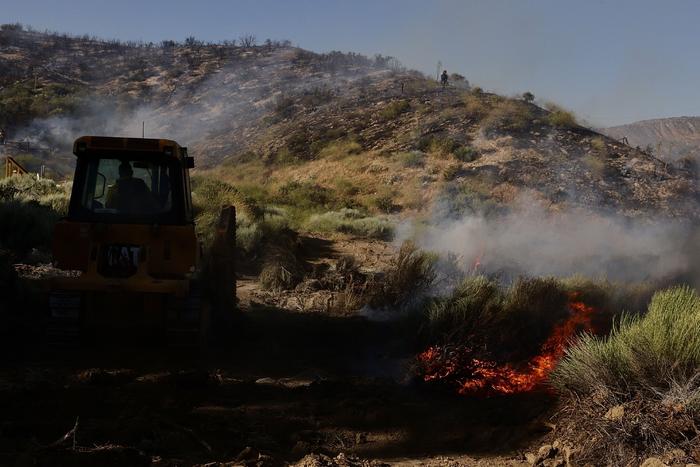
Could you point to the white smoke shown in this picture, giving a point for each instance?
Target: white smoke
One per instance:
(216, 116)
(529, 240)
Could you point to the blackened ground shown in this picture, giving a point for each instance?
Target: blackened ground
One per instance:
(286, 385)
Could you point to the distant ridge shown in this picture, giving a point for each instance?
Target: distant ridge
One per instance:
(671, 138)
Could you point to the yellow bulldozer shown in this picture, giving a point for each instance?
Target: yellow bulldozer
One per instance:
(130, 243)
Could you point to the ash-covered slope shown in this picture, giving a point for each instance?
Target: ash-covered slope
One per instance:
(275, 112)
(669, 138)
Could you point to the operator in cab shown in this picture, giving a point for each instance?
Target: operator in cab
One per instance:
(129, 194)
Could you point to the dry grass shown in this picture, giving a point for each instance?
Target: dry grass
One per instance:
(411, 159)
(340, 149)
(475, 106)
(595, 164)
(560, 118)
(508, 116)
(599, 147)
(608, 430)
(451, 172)
(410, 275)
(395, 108)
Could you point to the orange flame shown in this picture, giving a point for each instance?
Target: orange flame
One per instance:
(441, 363)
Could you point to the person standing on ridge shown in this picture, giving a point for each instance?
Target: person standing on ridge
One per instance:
(443, 79)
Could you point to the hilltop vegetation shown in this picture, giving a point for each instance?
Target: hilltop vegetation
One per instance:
(360, 133)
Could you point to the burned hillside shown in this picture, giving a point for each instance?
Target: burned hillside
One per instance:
(275, 112)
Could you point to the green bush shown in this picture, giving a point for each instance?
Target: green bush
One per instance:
(208, 198)
(394, 109)
(350, 221)
(29, 208)
(255, 225)
(29, 188)
(384, 203)
(477, 301)
(301, 199)
(644, 353)
(23, 102)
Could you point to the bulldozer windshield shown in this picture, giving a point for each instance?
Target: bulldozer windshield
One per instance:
(110, 189)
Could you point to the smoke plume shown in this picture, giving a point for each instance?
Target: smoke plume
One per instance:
(528, 240)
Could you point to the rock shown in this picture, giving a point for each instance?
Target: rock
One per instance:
(675, 456)
(554, 462)
(653, 462)
(615, 413)
(530, 458)
(545, 452)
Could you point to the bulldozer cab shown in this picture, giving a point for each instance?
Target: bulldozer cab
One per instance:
(130, 237)
(129, 180)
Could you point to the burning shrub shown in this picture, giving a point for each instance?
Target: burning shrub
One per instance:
(496, 341)
(514, 321)
(487, 338)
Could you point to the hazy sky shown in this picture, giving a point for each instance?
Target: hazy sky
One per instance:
(609, 61)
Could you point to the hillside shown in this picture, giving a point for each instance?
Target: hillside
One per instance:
(669, 138)
(423, 275)
(365, 129)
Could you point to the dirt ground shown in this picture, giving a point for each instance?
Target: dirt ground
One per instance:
(285, 385)
(289, 385)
